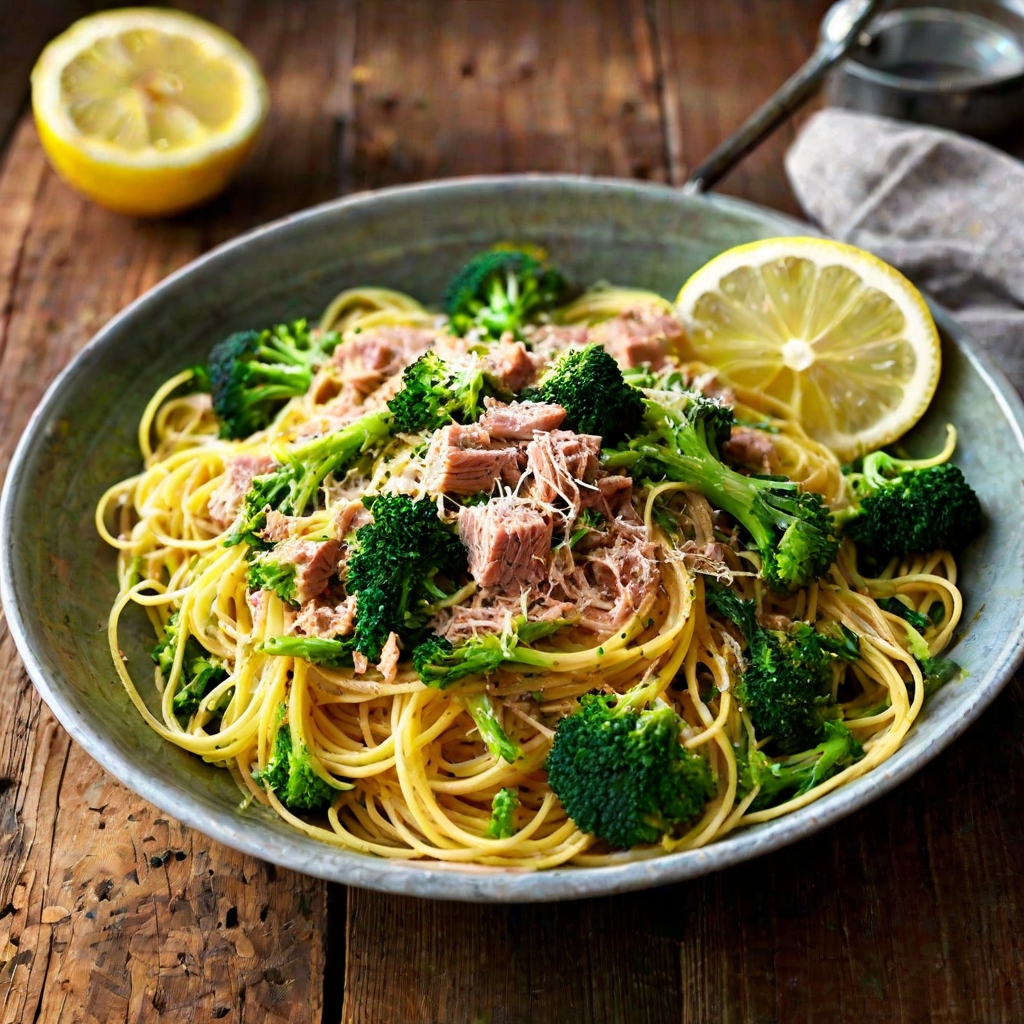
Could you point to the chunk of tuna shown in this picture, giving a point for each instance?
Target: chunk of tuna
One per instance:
(315, 563)
(511, 363)
(367, 358)
(508, 542)
(558, 462)
(639, 337)
(277, 527)
(752, 449)
(460, 461)
(518, 421)
(610, 496)
(349, 517)
(239, 474)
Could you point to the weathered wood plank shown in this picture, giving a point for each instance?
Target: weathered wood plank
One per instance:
(720, 62)
(599, 961)
(110, 911)
(912, 910)
(456, 87)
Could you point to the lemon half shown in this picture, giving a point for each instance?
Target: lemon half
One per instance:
(845, 340)
(147, 111)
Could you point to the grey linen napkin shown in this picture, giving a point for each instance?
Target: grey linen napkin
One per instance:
(946, 210)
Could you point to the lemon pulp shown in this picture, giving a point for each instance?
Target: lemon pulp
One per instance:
(147, 111)
(840, 337)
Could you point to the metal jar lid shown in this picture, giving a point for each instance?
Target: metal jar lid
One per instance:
(957, 65)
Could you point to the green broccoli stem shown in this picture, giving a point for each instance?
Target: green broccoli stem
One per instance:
(497, 741)
(880, 467)
(439, 663)
(316, 650)
(322, 456)
(724, 488)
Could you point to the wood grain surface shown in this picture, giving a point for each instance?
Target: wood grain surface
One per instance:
(911, 911)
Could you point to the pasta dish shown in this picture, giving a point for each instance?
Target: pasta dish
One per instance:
(522, 583)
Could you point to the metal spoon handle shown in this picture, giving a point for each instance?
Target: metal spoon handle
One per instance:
(789, 98)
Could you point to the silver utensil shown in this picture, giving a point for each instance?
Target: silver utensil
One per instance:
(849, 20)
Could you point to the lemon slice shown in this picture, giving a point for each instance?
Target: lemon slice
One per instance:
(842, 338)
(147, 111)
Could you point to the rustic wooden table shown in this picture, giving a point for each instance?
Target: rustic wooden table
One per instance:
(910, 911)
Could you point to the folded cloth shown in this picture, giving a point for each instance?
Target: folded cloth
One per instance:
(944, 209)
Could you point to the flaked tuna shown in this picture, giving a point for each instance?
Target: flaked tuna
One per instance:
(612, 582)
(388, 664)
(350, 516)
(319, 618)
(511, 364)
(752, 449)
(519, 420)
(612, 496)
(239, 474)
(508, 541)
(461, 461)
(557, 463)
(277, 527)
(315, 563)
(639, 337)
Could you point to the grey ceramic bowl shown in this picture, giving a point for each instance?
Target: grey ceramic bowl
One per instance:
(82, 438)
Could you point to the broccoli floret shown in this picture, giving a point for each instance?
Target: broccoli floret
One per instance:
(911, 507)
(622, 773)
(253, 373)
(440, 663)
(787, 685)
(292, 487)
(393, 566)
(503, 815)
(290, 773)
(200, 670)
(393, 570)
(266, 573)
(794, 776)
(501, 290)
(589, 385)
(792, 530)
(433, 395)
